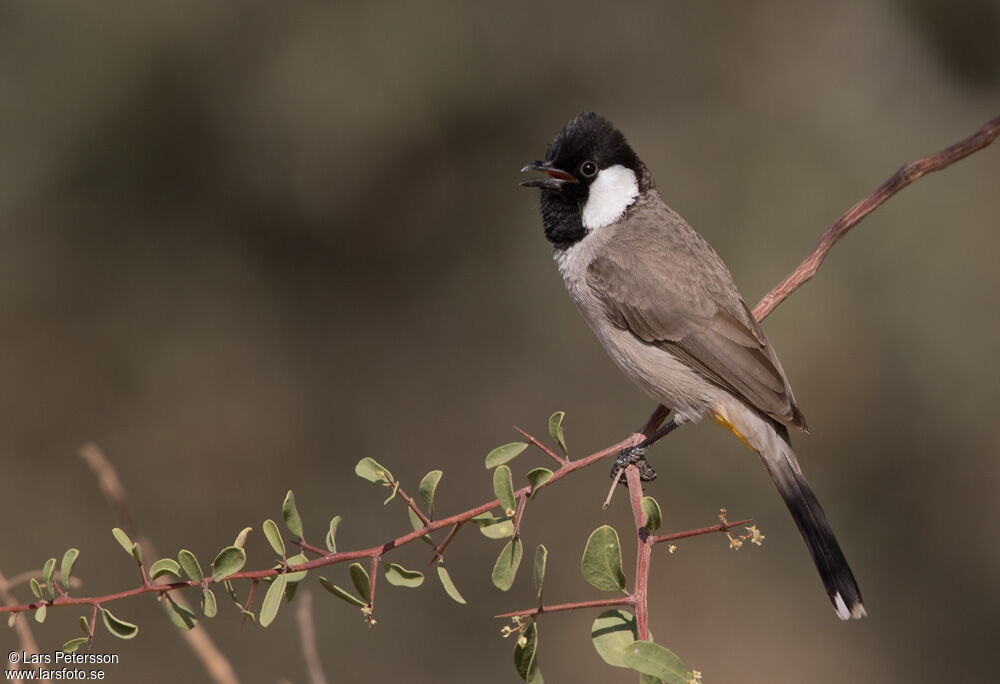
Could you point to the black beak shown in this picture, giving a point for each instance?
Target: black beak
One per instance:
(556, 180)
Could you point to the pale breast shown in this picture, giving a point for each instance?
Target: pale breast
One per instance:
(656, 371)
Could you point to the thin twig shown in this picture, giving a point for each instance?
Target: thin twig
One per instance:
(409, 500)
(249, 603)
(310, 654)
(614, 486)
(522, 502)
(26, 576)
(198, 639)
(723, 527)
(899, 180)
(25, 639)
(535, 442)
(561, 607)
(439, 550)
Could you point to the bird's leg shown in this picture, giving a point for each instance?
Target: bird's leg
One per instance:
(637, 454)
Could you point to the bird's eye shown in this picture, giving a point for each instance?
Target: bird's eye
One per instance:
(588, 169)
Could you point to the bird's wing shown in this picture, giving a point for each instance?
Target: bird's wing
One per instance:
(660, 280)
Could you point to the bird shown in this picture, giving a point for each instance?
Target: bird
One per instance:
(665, 307)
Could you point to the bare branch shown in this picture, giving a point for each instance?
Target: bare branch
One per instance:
(25, 639)
(314, 668)
(212, 659)
(578, 605)
(723, 527)
(545, 449)
(899, 180)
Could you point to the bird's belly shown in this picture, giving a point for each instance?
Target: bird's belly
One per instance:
(659, 374)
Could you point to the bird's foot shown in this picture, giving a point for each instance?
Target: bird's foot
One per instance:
(633, 456)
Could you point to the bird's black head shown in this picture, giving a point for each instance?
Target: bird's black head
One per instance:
(592, 177)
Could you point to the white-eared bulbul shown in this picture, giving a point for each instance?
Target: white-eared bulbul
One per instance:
(665, 307)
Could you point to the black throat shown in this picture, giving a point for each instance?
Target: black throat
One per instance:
(562, 216)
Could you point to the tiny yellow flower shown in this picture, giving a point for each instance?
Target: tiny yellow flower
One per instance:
(755, 536)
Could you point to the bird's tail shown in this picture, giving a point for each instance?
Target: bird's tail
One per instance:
(837, 577)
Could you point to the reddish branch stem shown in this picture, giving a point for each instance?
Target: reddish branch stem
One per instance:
(722, 527)
(642, 556)
(409, 501)
(577, 605)
(531, 440)
(899, 180)
(343, 556)
(447, 540)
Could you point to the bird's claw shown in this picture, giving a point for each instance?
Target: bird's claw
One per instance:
(634, 456)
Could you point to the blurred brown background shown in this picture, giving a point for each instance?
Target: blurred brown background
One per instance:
(244, 246)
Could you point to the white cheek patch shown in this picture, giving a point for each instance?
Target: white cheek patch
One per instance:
(611, 193)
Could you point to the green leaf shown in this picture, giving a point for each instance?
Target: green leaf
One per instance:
(296, 576)
(72, 645)
(448, 585)
(11, 619)
(120, 628)
(290, 590)
(40, 613)
(651, 510)
(36, 588)
(230, 560)
(137, 553)
(656, 661)
(272, 600)
(85, 625)
(209, 606)
(248, 615)
(428, 486)
(241, 538)
(359, 576)
(369, 469)
(123, 539)
(291, 515)
(538, 477)
(556, 430)
(66, 567)
(48, 570)
(602, 560)
(231, 591)
(398, 576)
(331, 536)
(341, 594)
(650, 679)
(273, 537)
(192, 568)
(612, 631)
(181, 616)
(395, 490)
(541, 556)
(165, 566)
(525, 653)
(504, 453)
(494, 528)
(503, 487)
(505, 569)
